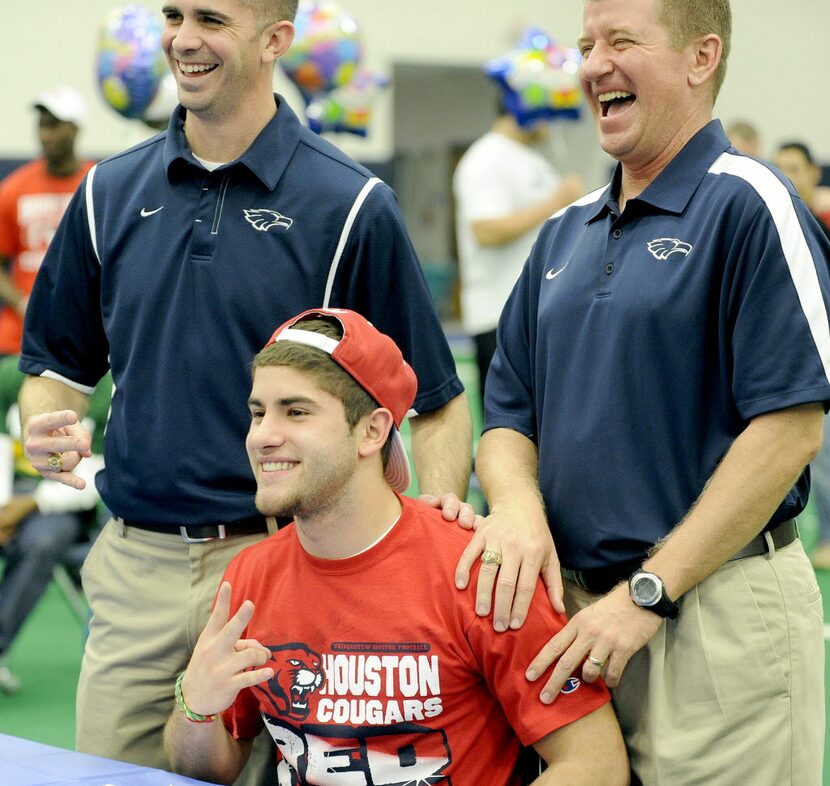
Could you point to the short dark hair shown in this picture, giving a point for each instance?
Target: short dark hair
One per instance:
(801, 148)
(357, 403)
(269, 11)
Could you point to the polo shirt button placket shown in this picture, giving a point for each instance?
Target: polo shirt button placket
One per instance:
(610, 267)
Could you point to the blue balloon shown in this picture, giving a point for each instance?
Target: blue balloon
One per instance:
(130, 63)
(539, 79)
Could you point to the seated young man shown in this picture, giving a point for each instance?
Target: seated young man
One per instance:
(362, 659)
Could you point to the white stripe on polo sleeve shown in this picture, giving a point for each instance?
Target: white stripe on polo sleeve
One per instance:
(797, 253)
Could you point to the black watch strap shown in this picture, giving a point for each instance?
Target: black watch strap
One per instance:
(660, 603)
(665, 607)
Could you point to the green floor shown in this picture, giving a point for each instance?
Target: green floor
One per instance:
(47, 656)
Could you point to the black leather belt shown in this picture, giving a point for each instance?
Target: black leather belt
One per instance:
(202, 533)
(601, 580)
(782, 535)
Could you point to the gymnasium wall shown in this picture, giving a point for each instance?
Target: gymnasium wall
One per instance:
(777, 74)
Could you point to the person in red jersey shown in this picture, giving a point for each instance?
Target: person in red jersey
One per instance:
(33, 199)
(343, 633)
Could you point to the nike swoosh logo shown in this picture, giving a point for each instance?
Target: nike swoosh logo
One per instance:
(552, 273)
(145, 212)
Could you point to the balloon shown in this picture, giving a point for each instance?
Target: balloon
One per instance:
(326, 50)
(130, 62)
(347, 108)
(539, 79)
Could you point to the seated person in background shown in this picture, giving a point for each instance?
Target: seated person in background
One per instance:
(821, 204)
(362, 659)
(796, 161)
(744, 138)
(39, 519)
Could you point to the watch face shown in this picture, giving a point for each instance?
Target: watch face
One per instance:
(646, 590)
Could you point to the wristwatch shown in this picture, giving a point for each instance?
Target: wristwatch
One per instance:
(648, 593)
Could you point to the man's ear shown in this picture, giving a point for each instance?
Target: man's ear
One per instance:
(278, 37)
(376, 428)
(706, 52)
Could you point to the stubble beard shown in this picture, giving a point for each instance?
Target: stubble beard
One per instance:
(315, 498)
(287, 508)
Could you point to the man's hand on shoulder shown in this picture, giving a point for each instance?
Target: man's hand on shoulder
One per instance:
(522, 541)
(609, 631)
(452, 508)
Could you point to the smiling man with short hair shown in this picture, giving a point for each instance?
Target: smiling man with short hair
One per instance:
(173, 257)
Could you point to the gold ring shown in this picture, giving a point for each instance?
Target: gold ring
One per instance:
(55, 462)
(596, 661)
(491, 557)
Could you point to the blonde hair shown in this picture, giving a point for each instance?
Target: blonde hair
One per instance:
(687, 20)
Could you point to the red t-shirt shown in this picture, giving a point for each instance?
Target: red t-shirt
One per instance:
(32, 203)
(383, 672)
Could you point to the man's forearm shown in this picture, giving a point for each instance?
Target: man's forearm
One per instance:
(505, 229)
(507, 467)
(39, 395)
(442, 448)
(754, 476)
(204, 750)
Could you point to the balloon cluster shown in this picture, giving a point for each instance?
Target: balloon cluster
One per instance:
(539, 79)
(324, 64)
(130, 63)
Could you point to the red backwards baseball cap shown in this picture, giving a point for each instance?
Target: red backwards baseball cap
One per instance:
(375, 362)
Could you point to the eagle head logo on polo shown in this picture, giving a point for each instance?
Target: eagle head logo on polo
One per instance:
(264, 219)
(664, 247)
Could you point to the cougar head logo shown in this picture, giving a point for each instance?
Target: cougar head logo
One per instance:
(298, 672)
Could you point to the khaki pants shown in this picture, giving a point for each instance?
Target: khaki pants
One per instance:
(731, 693)
(151, 595)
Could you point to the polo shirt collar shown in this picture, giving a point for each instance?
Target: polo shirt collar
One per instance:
(674, 186)
(268, 155)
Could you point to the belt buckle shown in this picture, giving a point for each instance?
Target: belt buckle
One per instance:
(221, 535)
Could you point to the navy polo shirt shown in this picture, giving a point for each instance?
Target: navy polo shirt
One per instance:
(635, 348)
(175, 277)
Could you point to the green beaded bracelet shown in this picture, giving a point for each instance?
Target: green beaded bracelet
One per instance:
(185, 710)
